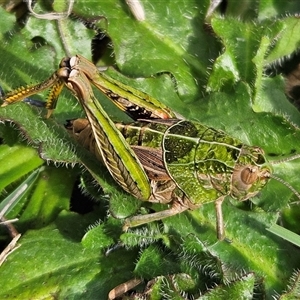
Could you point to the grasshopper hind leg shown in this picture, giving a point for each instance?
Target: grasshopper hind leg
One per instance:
(163, 191)
(176, 208)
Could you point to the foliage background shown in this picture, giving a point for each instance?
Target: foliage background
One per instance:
(224, 71)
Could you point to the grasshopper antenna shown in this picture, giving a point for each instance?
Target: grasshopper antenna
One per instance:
(286, 184)
(293, 157)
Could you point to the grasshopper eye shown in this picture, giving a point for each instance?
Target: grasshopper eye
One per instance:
(249, 174)
(247, 181)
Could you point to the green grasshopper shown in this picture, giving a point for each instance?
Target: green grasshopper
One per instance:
(160, 158)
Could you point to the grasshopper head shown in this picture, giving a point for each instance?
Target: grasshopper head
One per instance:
(250, 174)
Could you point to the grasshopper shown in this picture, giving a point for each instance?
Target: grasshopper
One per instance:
(160, 158)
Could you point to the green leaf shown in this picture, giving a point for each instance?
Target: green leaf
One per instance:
(285, 234)
(14, 165)
(292, 291)
(55, 256)
(212, 73)
(160, 44)
(288, 41)
(65, 38)
(51, 195)
(8, 204)
(241, 289)
(155, 262)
